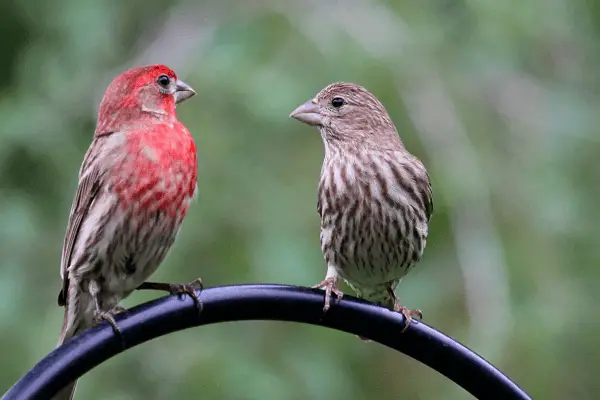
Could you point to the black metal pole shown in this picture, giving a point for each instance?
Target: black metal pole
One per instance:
(264, 302)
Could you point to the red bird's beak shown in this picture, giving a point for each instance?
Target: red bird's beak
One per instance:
(308, 113)
(183, 91)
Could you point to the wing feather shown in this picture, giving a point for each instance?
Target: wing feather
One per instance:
(90, 181)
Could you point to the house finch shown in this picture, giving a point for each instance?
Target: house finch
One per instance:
(135, 185)
(374, 197)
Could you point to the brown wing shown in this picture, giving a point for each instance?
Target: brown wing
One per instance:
(423, 183)
(320, 194)
(89, 184)
(429, 198)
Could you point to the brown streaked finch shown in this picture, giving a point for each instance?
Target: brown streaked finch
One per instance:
(135, 185)
(374, 197)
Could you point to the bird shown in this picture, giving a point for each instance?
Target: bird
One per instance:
(136, 182)
(374, 198)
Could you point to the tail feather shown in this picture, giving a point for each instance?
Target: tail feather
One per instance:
(66, 333)
(380, 298)
(380, 294)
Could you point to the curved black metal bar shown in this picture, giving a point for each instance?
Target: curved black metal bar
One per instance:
(264, 302)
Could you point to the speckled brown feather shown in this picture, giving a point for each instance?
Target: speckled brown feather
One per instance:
(374, 197)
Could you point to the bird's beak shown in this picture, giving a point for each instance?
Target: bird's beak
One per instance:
(183, 91)
(308, 113)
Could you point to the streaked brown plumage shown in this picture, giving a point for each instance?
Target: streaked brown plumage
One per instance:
(374, 197)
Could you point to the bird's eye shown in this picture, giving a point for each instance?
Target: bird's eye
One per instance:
(163, 80)
(337, 102)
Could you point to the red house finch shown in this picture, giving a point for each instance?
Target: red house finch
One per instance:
(374, 197)
(135, 185)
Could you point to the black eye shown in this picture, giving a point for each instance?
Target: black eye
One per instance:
(337, 102)
(163, 80)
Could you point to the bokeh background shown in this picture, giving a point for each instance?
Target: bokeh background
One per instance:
(500, 100)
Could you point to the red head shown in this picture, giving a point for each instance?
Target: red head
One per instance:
(141, 94)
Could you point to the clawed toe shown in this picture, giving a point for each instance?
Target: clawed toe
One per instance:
(409, 315)
(101, 316)
(178, 288)
(190, 290)
(330, 286)
(187, 287)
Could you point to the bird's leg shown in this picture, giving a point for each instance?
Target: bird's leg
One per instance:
(101, 315)
(408, 314)
(177, 288)
(330, 284)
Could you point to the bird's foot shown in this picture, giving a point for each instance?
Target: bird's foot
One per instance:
(330, 286)
(177, 288)
(108, 316)
(409, 315)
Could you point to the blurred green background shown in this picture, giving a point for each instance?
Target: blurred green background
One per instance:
(499, 99)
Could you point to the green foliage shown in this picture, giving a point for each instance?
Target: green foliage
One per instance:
(499, 99)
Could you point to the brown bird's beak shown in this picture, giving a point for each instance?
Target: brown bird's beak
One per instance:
(183, 91)
(308, 113)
